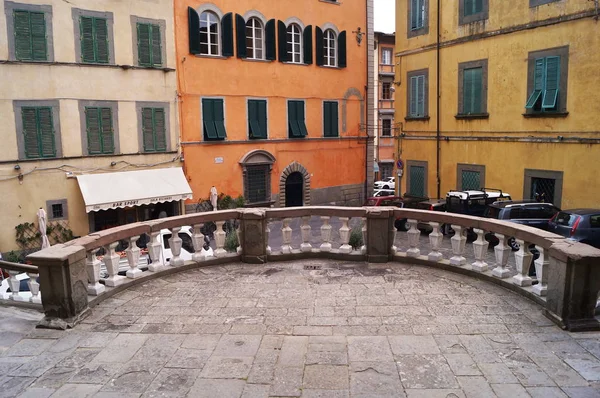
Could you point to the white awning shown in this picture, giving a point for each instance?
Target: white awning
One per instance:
(133, 188)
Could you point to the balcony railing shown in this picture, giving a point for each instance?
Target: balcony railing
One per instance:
(568, 273)
(385, 69)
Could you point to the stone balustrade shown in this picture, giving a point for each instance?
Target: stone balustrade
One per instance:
(567, 273)
(14, 283)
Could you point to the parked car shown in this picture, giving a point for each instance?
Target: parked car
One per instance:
(431, 205)
(383, 192)
(407, 201)
(386, 183)
(581, 225)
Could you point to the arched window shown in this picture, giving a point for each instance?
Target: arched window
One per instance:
(294, 43)
(209, 33)
(255, 39)
(329, 46)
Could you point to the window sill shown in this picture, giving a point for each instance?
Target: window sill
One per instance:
(334, 2)
(472, 116)
(257, 60)
(416, 118)
(329, 67)
(545, 114)
(385, 136)
(296, 63)
(296, 138)
(331, 136)
(209, 56)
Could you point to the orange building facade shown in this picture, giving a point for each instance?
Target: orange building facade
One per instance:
(273, 99)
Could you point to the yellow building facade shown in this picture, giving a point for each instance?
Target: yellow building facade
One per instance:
(60, 62)
(502, 95)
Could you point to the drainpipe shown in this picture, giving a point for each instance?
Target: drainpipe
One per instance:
(438, 103)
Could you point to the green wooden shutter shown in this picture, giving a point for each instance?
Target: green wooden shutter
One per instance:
(156, 45)
(101, 40)
(160, 136)
(92, 122)
(478, 6)
(307, 43)
(472, 91)
(414, 7)
(144, 48)
(469, 5)
(538, 83)
(271, 50)
(284, 56)
(227, 35)
(417, 181)
(38, 37)
(210, 131)
(148, 130)
(107, 133)
(262, 117)
(23, 50)
(46, 132)
(412, 100)
(193, 31)
(421, 95)
(219, 118)
(342, 49)
(294, 128)
(301, 118)
(240, 35)
(253, 119)
(30, 132)
(319, 47)
(86, 27)
(326, 119)
(334, 119)
(552, 83)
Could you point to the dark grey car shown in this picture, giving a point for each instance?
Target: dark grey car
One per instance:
(582, 225)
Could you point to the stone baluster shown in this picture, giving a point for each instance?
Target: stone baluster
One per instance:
(34, 288)
(238, 233)
(133, 258)
(220, 239)
(541, 268)
(92, 266)
(111, 261)
(413, 238)
(459, 242)
(502, 251)
(286, 234)
(305, 229)
(523, 259)
(393, 231)
(198, 242)
(154, 252)
(435, 239)
(175, 243)
(267, 233)
(325, 234)
(480, 247)
(363, 248)
(345, 236)
(15, 286)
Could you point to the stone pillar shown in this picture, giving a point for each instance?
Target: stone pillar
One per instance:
(522, 261)
(220, 239)
(92, 265)
(502, 251)
(34, 288)
(325, 234)
(480, 247)
(111, 261)
(379, 239)
(240, 238)
(286, 235)
(15, 286)
(541, 267)
(154, 252)
(305, 230)
(345, 236)
(133, 258)
(64, 280)
(198, 242)
(413, 239)
(363, 249)
(459, 242)
(267, 232)
(175, 243)
(253, 224)
(435, 239)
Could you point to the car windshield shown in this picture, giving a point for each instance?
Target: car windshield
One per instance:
(566, 219)
(491, 212)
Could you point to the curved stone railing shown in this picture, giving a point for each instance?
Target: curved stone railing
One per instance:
(14, 283)
(568, 273)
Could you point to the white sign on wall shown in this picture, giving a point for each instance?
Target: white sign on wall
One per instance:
(219, 160)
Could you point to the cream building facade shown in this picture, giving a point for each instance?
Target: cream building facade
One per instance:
(87, 88)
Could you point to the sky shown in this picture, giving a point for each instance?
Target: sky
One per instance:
(384, 16)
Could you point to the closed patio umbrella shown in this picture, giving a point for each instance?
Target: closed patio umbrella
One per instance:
(42, 226)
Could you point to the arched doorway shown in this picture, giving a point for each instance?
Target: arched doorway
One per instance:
(294, 187)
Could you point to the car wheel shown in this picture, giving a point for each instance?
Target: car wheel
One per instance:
(386, 187)
(471, 235)
(401, 225)
(512, 243)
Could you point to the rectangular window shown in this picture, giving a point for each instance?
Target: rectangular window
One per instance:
(542, 189)
(386, 56)
(149, 44)
(296, 120)
(213, 119)
(417, 96)
(386, 92)
(473, 7)
(257, 183)
(330, 119)
(38, 132)
(546, 85)
(473, 91)
(57, 211)
(471, 180)
(472, 11)
(386, 170)
(417, 14)
(30, 36)
(470, 176)
(99, 128)
(154, 129)
(386, 128)
(257, 118)
(94, 40)
(417, 181)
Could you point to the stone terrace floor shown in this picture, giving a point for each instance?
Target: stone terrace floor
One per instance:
(346, 330)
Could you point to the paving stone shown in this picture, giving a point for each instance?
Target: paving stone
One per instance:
(96, 373)
(211, 388)
(172, 383)
(262, 373)
(293, 351)
(369, 349)
(13, 386)
(28, 347)
(133, 377)
(546, 392)
(256, 391)
(435, 329)
(497, 373)
(34, 392)
(588, 369)
(582, 392)
(463, 365)
(326, 358)
(122, 348)
(475, 387)
(287, 382)
(312, 330)
(510, 391)
(218, 367)
(310, 393)
(560, 372)
(79, 357)
(37, 366)
(402, 345)
(237, 346)
(425, 371)
(375, 379)
(248, 329)
(54, 378)
(435, 393)
(531, 375)
(326, 377)
(449, 344)
(187, 358)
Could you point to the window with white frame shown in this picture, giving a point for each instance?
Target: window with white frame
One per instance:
(255, 41)
(294, 43)
(329, 45)
(209, 33)
(386, 56)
